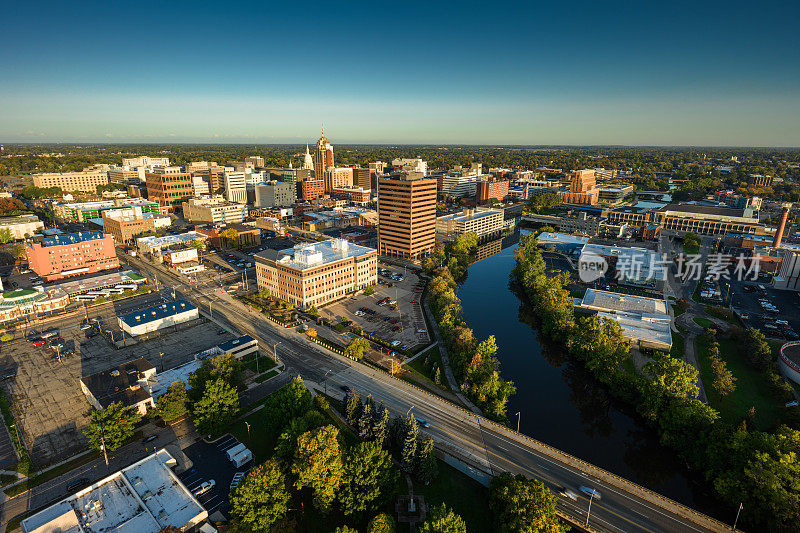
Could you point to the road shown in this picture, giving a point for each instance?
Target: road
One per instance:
(623, 507)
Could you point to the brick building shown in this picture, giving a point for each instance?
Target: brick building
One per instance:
(168, 186)
(491, 188)
(71, 254)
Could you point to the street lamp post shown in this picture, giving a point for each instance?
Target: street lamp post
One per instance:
(248, 431)
(519, 415)
(275, 352)
(161, 355)
(737, 516)
(325, 381)
(590, 507)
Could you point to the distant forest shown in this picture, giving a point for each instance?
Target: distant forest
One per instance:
(652, 167)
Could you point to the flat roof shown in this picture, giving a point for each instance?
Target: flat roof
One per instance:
(704, 210)
(98, 282)
(791, 350)
(483, 213)
(120, 384)
(72, 238)
(230, 345)
(311, 255)
(157, 313)
(169, 240)
(614, 301)
(99, 204)
(548, 237)
(145, 497)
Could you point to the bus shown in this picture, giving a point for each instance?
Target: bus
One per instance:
(127, 286)
(85, 297)
(115, 290)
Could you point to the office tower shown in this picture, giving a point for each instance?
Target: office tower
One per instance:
(336, 177)
(323, 157)
(583, 189)
(275, 194)
(406, 215)
(235, 186)
(168, 186)
(361, 178)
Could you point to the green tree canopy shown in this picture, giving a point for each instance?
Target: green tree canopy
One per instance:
(382, 523)
(261, 499)
(217, 408)
(356, 348)
(113, 426)
(318, 464)
(174, 402)
(368, 476)
(443, 520)
(522, 505)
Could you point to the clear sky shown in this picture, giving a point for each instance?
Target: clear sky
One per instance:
(639, 72)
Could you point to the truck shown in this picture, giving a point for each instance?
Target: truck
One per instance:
(239, 455)
(241, 458)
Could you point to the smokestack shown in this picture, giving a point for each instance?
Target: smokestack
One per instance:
(781, 226)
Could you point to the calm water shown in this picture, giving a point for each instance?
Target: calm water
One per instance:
(561, 404)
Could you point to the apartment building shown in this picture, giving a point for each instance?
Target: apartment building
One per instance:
(275, 194)
(71, 254)
(83, 181)
(482, 222)
(336, 177)
(315, 274)
(235, 184)
(406, 215)
(168, 186)
(215, 210)
(356, 195)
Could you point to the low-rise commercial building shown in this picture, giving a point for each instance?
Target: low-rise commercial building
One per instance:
(644, 321)
(71, 254)
(158, 317)
(126, 384)
(614, 194)
(214, 210)
(356, 195)
(312, 189)
(482, 222)
(22, 226)
(708, 220)
(155, 245)
(20, 303)
(125, 226)
(315, 274)
(145, 497)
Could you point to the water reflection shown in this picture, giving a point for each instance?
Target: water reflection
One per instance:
(561, 402)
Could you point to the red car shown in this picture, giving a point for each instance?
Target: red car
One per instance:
(414, 302)
(38, 343)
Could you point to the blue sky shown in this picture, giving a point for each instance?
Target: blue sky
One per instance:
(638, 72)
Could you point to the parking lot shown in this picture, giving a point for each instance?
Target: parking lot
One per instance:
(209, 462)
(393, 313)
(48, 402)
(762, 307)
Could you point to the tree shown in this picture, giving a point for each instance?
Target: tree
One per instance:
(367, 475)
(225, 367)
(318, 464)
(287, 441)
(352, 408)
(264, 293)
(345, 529)
(443, 520)
(380, 431)
(261, 499)
(369, 290)
(312, 332)
(109, 428)
(231, 237)
(6, 235)
(217, 408)
(672, 376)
(408, 453)
(356, 348)
(174, 402)
(382, 523)
(523, 505)
(724, 383)
(691, 240)
(426, 468)
(313, 311)
(365, 422)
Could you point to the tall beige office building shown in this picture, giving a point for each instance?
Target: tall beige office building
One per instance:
(323, 157)
(406, 215)
(84, 181)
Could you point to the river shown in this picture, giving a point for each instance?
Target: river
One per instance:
(560, 403)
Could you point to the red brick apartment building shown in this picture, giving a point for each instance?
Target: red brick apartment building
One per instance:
(491, 188)
(72, 254)
(168, 186)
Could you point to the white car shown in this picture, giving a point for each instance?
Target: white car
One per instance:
(396, 343)
(204, 487)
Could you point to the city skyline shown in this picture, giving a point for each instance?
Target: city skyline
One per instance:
(702, 75)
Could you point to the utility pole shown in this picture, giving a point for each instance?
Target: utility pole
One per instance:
(103, 444)
(325, 381)
(161, 355)
(275, 352)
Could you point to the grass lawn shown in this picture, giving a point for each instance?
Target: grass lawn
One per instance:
(751, 388)
(678, 310)
(417, 368)
(678, 346)
(704, 322)
(466, 496)
(691, 250)
(723, 314)
(263, 363)
(266, 375)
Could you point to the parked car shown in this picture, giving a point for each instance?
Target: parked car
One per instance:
(38, 342)
(81, 482)
(422, 422)
(204, 487)
(149, 438)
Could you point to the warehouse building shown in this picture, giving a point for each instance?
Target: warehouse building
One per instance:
(145, 497)
(158, 317)
(127, 384)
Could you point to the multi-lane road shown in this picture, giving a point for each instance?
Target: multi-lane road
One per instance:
(487, 446)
